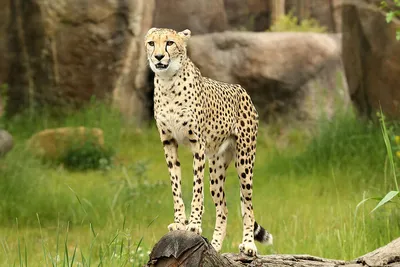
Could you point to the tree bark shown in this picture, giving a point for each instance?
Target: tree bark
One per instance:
(278, 9)
(184, 248)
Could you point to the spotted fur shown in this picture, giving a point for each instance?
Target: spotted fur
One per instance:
(218, 121)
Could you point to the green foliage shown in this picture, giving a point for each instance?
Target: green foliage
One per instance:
(392, 11)
(87, 156)
(291, 23)
(343, 141)
(388, 138)
(114, 217)
(95, 114)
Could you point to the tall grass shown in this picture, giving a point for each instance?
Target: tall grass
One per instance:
(343, 142)
(305, 193)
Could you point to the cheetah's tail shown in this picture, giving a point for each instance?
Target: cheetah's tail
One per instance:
(262, 235)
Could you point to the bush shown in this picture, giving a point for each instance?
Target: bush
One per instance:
(87, 156)
(290, 23)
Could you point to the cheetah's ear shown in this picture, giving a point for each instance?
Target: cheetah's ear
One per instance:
(185, 34)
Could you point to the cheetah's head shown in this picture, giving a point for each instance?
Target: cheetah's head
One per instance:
(166, 50)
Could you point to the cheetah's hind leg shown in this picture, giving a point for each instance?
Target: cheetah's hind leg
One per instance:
(244, 163)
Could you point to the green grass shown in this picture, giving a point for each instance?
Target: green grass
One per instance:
(305, 193)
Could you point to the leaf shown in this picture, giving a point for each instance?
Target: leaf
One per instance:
(389, 196)
(365, 200)
(389, 16)
(398, 35)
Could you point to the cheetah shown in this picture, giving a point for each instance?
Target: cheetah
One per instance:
(217, 121)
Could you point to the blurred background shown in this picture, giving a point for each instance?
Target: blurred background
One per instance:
(82, 174)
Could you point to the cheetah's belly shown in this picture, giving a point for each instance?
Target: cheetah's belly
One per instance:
(220, 139)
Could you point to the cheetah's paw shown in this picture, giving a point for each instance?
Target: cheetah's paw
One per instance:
(194, 227)
(249, 249)
(176, 226)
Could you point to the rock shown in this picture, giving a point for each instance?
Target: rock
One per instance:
(6, 142)
(53, 143)
(63, 52)
(251, 15)
(279, 70)
(371, 58)
(199, 16)
(4, 25)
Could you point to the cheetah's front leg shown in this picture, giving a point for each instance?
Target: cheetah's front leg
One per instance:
(171, 156)
(198, 148)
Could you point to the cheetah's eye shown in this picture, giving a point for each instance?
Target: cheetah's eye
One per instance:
(169, 43)
(151, 43)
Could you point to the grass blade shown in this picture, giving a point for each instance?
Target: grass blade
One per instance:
(389, 196)
(152, 221)
(73, 256)
(91, 244)
(114, 238)
(138, 245)
(83, 259)
(388, 148)
(92, 229)
(19, 245)
(58, 239)
(66, 256)
(41, 237)
(5, 250)
(26, 256)
(79, 200)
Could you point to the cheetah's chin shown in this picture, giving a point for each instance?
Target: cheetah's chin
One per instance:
(161, 66)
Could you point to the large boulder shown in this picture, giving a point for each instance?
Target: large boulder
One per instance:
(281, 71)
(66, 51)
(200, 17)
(371, 58)
(6, 142)
(54, 143)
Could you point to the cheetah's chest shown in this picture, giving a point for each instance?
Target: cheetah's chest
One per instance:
(175, 120)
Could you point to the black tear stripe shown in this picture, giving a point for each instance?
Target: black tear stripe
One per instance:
(166, 50)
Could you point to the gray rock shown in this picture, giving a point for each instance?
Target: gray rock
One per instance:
(59, 52)
(371, 56)
(200, 17)
(285, 73)
(6, 142)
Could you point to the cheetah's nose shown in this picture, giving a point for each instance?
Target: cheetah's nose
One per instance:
(159, 57)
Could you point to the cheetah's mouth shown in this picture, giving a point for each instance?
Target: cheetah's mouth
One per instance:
(161, 66)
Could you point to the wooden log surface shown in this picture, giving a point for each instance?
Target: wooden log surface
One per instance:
(184, 248)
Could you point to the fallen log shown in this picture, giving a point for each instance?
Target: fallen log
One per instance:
(184, 248)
